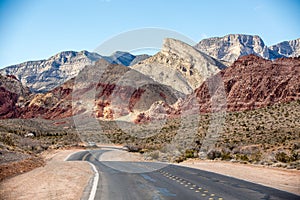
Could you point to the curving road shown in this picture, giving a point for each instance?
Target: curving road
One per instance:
(158, 181)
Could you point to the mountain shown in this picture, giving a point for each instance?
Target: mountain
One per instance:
(44, 75)
(285, 49)
(179, 65)
(251, 82)
(107, 91)
(125, 58)
(12, 95)
(230, 47)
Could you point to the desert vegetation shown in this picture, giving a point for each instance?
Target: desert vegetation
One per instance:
(267, 136)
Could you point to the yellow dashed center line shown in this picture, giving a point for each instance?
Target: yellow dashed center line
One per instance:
(186, 184)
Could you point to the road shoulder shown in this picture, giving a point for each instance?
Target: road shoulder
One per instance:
(282, 179)
(58, 179)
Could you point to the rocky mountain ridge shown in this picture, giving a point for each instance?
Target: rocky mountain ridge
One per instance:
(230, 47)
(112, 91)
(285, 49)
(179, 65)
(250, 83)
(44, 75)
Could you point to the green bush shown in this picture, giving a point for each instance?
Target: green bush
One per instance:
(190, 153)
(282, 157)
(226, 156)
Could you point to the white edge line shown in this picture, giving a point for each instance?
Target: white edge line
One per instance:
(96, 177)
(95, 183)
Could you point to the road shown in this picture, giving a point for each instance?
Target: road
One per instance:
(158, 181)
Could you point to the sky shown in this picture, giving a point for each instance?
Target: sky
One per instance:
(38, 29)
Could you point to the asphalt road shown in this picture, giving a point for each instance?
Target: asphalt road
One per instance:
(157, 181)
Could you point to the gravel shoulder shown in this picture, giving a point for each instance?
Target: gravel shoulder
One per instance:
(58, 179)
(282, 179)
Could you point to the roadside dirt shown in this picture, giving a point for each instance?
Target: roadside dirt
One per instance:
(57, 179)
(11, 169)
(282, 179)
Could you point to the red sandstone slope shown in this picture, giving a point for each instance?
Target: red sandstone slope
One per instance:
(12, 95)
(104, 90)
(251, 82)
(111, 91)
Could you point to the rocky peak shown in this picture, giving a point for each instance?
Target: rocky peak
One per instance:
(252, 82)
(230, 47)
(285, 49)
(179, 65)
(44, 75)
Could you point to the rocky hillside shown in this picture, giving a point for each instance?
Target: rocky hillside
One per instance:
(285, 49)
(230, 47)
(251, 82)
(180, 66)
(105, 90)
(44, 75)
(12, 95)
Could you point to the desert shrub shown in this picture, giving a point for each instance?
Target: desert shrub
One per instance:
(190, 153)
(213, 154)
(256, 156)
(294, 156)
(243, 157)
(180, 159)
(7, 139)
(226, 155)
(282, 157)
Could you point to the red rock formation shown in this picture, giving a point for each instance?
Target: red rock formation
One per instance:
(251, 82)
(12, 93)
(8, 101)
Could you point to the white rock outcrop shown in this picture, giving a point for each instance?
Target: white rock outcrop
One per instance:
(179, 65)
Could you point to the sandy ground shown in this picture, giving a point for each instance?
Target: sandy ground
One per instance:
(56, 180)
(282, 179)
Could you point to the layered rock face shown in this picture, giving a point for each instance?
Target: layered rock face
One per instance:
(106, 91)
(44, 75)
(180, 66)
(230, 47)
(251, 82)
(12, 96)
(285, 49)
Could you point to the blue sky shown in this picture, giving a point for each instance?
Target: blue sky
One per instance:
(38, 29)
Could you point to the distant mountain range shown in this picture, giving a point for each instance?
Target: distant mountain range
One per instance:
(230, 47)
(44, 75)
(141, 88)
